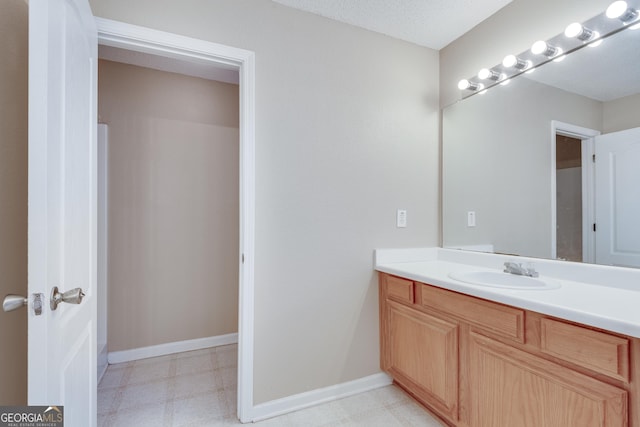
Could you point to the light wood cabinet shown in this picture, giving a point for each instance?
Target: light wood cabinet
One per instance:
(510, 387)
(594, 350)
(477, 363)
(424, 356)
(499, 319)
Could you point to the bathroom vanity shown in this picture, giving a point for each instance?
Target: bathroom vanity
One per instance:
(483, 355)
(481, 346)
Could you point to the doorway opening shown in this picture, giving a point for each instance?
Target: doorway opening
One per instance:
(569, 198)
(172, 209)
(572, 192)
(204, 57)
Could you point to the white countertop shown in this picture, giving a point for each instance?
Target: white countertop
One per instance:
(600, 296)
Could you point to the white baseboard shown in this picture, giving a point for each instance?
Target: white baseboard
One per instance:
(316, 397)
(171, 348)
(102, 361)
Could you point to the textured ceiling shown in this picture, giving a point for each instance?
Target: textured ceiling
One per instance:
(430, 23)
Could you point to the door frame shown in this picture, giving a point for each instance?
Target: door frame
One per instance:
(160, 43)
(586, 135)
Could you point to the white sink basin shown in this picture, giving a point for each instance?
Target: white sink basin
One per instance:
(498, 279)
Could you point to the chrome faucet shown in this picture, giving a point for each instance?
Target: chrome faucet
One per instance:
(516, 268)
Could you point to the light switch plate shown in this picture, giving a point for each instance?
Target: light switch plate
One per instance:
(401, 218)
(471, 219)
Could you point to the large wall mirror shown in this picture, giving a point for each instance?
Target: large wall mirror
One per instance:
(518, 170)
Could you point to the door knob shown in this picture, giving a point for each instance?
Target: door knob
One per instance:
(74, 296)
(13, 302)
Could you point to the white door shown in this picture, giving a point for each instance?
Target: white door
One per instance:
(62, 206)
(618, 198)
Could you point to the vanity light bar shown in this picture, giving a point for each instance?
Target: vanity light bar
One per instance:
(617, 16)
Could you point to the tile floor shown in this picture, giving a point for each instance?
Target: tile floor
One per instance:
(198, 388)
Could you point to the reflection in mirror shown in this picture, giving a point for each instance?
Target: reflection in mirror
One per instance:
(569, 212)
(520, 157)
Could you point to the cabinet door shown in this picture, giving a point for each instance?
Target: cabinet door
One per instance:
(512, 388)
(422, 356)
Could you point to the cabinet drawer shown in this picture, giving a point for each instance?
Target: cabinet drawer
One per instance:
(496, 318)
(400, 290)
(598, 351)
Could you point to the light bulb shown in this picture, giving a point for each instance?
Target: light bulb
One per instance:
(620, 10)
(580, 32)
(486, 73)
(616, 9)
(573, 30)
(538, 47)
(464, 84)
(542, 48)
(509, 61)
(483, 74)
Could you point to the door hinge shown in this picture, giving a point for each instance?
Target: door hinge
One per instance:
(594, 226)
(243, 258)
(593, 158)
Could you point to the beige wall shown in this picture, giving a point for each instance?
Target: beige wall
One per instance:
(346, 133)
(173, 205)
(621, 114)
(13, 197)
(512, 29)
